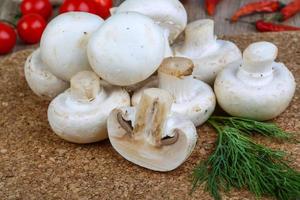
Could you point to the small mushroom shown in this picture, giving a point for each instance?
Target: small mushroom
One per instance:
(127, 49)
(169, 14)
(209, 55)
(79, 114)
(193, 98)
(147, 136)
(260, 88)
(41, 81)
(64, 41)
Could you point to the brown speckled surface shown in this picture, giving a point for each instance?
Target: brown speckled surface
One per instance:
(36, 164)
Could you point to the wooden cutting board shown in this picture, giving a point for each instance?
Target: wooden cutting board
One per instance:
(36, 164)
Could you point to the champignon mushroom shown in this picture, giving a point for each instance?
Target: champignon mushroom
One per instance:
(260, 88)
(147, 136)
(209, 55)
(127, 49)
(41, 81)
(193, 98)
(79, 114)
(64, 41)
(169, 14)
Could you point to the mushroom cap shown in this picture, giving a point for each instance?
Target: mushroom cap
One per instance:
(127, 49)
(244, 92)
(146, 135)
(207, 68)
(169, 14)
(64, 41)
(209, 55)
(81, 120)
(40, 80)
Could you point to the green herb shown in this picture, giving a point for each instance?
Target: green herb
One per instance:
(241, 163)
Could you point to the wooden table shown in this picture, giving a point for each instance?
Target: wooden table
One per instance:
(195, 11)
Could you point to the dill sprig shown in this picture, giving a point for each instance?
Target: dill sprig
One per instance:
(249, 126)
(241, 163)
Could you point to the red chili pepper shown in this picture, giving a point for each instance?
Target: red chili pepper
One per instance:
(263, 26)
(255, 7)
(210, 6)
(289, 10)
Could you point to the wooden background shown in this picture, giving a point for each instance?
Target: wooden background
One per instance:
(226, 8)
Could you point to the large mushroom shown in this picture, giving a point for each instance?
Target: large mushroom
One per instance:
(209, 55)
(79, 114)
(41, 81)
(147, 136)
(64, 41)
(169, 14)
(260, 88)
(127, 49)
(193, 98)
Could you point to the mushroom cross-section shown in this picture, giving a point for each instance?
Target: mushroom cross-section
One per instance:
(80, 114)
(127, 49)
(209, 55)
(41, 81)
(148, 136)
(193, 98)
(169, 14)
(64, 41)
(260, 88)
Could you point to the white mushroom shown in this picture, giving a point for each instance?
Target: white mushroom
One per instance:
(147, 136)
(209, 55)
(260, 88)
(64, 41)
(79, 114)
(169, 14)
(127, 49)
(193, 98)
(41, 81)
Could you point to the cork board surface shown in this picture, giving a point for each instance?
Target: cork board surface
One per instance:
(36, 164)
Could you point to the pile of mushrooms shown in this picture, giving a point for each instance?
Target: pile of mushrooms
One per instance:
(132, 80)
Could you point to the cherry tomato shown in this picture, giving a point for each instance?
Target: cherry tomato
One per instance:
(78, 5)
(41, 7)
(30, 28)
(8, 38)
(103, 7)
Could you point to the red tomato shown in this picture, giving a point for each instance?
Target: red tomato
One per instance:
(8, 38)
(78, 5)
(41, 7)
(103, 7)
(30, 28)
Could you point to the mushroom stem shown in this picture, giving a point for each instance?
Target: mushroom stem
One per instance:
(199, 36)
(85, 86)
(151, 115)
(259, 57)
(175, 76)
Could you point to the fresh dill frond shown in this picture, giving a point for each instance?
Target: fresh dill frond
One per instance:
(241, 163)
(249, 126)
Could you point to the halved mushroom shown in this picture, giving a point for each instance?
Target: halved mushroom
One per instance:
(260, 88)
(209, 55)
(193, 98)
(64, 41)
(169, 14)
(147, 136)
(79, 114)
(127, 49)
(41, 81)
